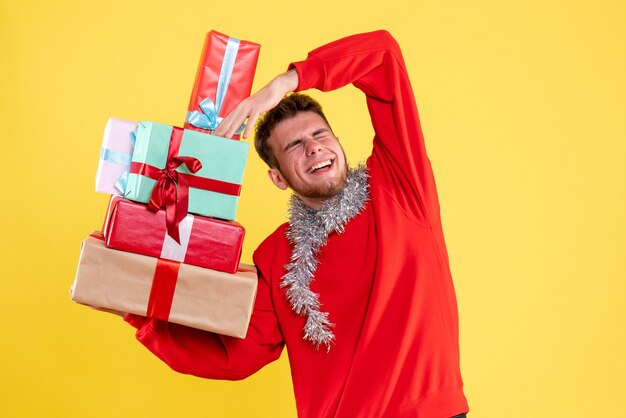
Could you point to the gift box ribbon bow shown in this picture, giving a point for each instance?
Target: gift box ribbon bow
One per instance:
(172, 192)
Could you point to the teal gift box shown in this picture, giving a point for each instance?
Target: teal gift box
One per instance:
(213, 189)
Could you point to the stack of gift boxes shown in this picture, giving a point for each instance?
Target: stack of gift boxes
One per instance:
(170, 246)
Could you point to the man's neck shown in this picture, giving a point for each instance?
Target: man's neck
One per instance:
(316, 203)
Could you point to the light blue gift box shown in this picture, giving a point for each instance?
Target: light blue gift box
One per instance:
(222, 159)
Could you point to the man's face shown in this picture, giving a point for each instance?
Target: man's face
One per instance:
(310, 159)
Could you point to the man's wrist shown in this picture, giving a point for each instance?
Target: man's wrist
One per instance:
(288, 81)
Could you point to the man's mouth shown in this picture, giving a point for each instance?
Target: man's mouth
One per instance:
(320, 166)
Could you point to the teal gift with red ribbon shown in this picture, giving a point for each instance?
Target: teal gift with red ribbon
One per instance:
(186, 171)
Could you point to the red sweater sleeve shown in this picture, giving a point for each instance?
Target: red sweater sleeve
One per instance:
(373, 62)
(205, 354)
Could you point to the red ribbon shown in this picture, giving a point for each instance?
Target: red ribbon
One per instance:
(163, 286)
(172, 188)
(162, 291)
(172, 192)
(97, 235)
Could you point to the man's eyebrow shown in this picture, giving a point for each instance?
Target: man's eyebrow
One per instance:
(320, 131)
(297, 141)
(292, 143)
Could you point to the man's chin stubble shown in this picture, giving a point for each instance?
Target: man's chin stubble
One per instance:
(327, 191)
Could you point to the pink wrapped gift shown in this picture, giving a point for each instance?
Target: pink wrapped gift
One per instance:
(115, 156)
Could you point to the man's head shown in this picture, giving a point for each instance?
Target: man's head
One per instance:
(297, 143)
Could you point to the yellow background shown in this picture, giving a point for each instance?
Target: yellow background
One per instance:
(523, 108)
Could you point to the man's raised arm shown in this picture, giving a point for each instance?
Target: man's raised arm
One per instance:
(373, 63)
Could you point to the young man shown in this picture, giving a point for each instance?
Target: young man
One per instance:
(357, 284)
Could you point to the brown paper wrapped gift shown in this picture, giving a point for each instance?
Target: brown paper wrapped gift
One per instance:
(205, 299)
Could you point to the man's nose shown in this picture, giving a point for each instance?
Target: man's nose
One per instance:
(312, 146)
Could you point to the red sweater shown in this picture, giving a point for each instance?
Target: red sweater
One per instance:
(385, 282)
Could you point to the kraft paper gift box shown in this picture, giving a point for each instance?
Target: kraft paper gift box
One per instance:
(223, 79)
(120, 281)
(212, 191)
(115, 156)
(204, 242)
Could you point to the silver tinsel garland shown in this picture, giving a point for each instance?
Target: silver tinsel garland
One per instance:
(308, 231)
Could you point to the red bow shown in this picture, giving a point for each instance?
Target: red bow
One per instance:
(172, 192)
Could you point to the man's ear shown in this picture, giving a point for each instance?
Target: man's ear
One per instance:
(277, 178)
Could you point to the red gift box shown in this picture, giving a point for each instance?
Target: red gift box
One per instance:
(224, 78)
(204, 242)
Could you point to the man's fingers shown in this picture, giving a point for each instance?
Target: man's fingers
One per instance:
(223, 129)
(231, 122)
(250, 125)
(218, 131)
(249, 109)
(252, 107)
(246, 131)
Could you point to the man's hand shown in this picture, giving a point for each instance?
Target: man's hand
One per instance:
(257, 104)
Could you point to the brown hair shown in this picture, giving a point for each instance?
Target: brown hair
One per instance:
(288, 107)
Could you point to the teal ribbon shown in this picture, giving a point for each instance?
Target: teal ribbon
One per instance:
(120, 158)
(209, 118)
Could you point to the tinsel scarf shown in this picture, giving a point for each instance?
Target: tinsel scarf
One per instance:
(307, 232)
